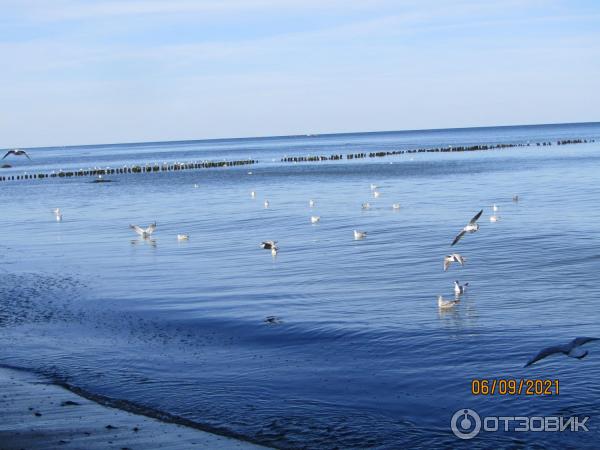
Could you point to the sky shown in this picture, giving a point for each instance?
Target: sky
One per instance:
(107, 71)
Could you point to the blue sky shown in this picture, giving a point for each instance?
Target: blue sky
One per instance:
(100, 71)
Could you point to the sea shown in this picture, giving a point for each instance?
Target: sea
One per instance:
(356, 353)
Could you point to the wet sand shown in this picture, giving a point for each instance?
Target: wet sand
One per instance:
(36, 414)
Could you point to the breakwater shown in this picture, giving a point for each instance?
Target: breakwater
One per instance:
(131, 169)
(450, 148)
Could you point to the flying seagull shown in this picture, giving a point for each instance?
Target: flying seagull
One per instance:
(17, 152)
(183, 237)
(471, 227)
(454, 257)
(458, 289)
(144, 232)
(311, 203)
(268, 245)
(314, 219)
(446, 304)
(572, 349)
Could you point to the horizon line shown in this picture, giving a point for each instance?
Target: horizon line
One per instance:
(302, 135)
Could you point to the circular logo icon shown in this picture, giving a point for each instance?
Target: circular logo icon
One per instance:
(465, 424)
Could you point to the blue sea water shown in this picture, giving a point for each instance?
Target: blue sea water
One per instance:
(362, 356)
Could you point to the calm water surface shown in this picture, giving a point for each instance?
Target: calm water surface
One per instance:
(362, 357)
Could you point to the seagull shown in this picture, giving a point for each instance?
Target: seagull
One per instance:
(376, 194)
(571, 349)
(374, 186)
(274, 250)
(515, 198)
(314, 219)
(366, 205)
(495, 207)
(57, 214)
(272, 320)
(196, 186)
(494, 218)
(458, 289)
(183, 237)
(268, 245)
(266, 203)
(17, 152)
(446, 304)
(253, 194)
(144, 232)
(359, 234)
(396, 206)
(311, 203)
(471, 227)
(454, 257)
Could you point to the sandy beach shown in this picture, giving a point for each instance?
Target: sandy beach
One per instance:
(36, 414)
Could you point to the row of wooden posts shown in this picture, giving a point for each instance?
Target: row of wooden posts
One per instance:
(147, 168)
(471, 148)
(155, 167)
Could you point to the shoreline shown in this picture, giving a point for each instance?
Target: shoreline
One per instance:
(37, 412)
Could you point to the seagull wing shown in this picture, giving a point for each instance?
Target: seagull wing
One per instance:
(476, 218)
(150, 229)
(10, 152)
(582, 340)
(447, 262)
(458, 237)
(546, 352)
(137, 229)
(25, 153)
(459, 259)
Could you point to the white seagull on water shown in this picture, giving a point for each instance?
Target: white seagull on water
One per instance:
(311, 203)
(359, 234)
(315, 219)
(454, 257)
(446, 304)
(471, 227)
(458, 289)
(572, 349)
(58, 214)
(144, 232)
